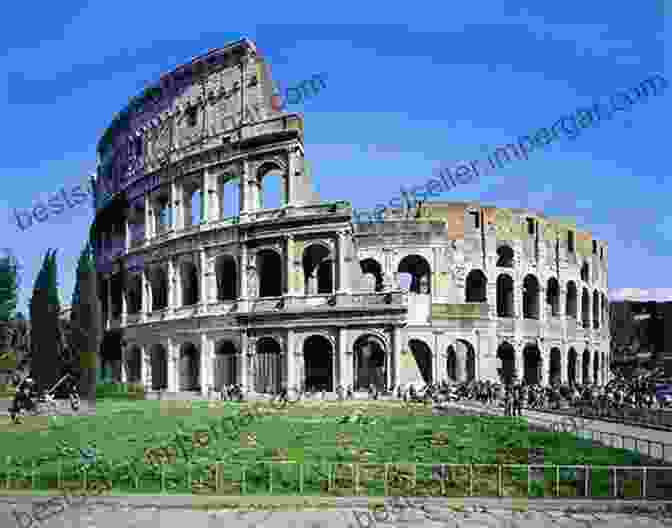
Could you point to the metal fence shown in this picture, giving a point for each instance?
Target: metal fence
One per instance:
(392, 479)
(660, 418)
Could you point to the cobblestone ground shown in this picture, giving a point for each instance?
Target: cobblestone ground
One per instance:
(418, 512)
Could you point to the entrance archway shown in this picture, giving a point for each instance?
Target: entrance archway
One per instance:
(318, 357)
(532, 365)
(189, 367)
(226, 364)
(555, 367)
(571, 366)
(268, 366)
(507, 356)
(423, 358)
(370, 363)
(159, 362)
(451, 363)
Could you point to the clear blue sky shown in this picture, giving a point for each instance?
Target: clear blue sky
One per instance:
(406, 93)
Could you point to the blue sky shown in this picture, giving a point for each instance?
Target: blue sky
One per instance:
(406, 93)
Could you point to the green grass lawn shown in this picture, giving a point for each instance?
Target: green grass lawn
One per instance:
(150, 446)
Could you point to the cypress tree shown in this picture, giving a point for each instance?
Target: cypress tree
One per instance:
(87, 322)
(44, 312)
(8, 287)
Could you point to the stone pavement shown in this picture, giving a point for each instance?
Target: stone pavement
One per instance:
(352, 512)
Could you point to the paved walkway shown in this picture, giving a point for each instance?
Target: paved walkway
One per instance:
(354, 512)
(609, 430)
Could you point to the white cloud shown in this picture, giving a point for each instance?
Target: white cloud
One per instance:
(640, 294)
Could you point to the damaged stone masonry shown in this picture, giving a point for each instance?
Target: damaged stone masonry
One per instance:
(298, 295)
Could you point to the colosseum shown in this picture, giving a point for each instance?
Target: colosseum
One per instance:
(204, 283)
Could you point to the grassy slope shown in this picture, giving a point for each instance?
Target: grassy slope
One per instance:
(309, 434)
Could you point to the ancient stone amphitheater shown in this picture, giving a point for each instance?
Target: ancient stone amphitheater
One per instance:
(204, 283)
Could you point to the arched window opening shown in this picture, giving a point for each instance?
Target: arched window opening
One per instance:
(553, 296)
(571, 301)
(373, 274)
(270, 273)
(273, 193)
(505, 257)
(227, 278)
(189, 277)
(505, 296)
(317, 270)
(531, 297)
(476, 287)
(585, 308)
(420, 272)
(229, 195)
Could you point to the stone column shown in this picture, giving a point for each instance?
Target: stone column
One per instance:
(176, 195)
(172, 284)
(242, 269)
(213, 196)
(146, 367)
(124, 359)
(542, 303)
(145, 299)
(124, 305)
(564, 351)
(397, 344)
(172, 365)
(291, 361)
(205, 372)
(293, 163)
(205, 197)
(109, 302)
(545, 365)
(127, 235)
(341, 268)
(202, 268)
(344, 359)
(288, 265)
(242, 363)
(149, 224)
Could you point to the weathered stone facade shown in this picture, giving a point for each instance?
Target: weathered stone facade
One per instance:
(299, 295)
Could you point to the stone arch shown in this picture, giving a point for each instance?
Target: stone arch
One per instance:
(585, 272)
(555, 366)
(585, 307)
(270, 273)
(532, 364)
(273, 186)
(268, 366)
(225, 364)
(159, 363)
(467, 354)
(423, 358)
(571, 301)
(370, 362)
(318, 357)
(596, 309)
(226, 275)
(507, 356)
(476, 286)
(189, 283)
(572, 359)
(159, 285)
(189, 367)
(193, 202)
(318, 269)
(134, 294)
(451, 363)
(420, 273)
(228, 187)
(372, 267)
(596, 367)
(530, 297)
(553, 296)
(133, 364)
(505, 256)
(505, 296)
(586, 367)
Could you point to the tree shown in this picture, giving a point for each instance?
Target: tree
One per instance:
(86, 319)
(8, 286)
(44, 313)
